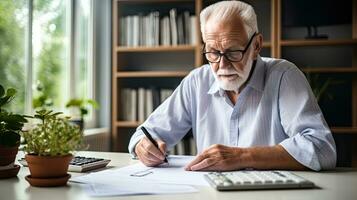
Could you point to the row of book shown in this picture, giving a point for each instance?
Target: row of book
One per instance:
(154, 30)
(138, 103)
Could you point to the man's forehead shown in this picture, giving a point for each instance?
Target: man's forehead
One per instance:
(223, 36)
(225, 40)
(221, 31)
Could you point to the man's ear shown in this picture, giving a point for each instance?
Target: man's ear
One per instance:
(257, 46)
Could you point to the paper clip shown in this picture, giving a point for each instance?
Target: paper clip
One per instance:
(142, 173)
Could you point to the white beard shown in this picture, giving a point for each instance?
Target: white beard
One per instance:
(233, 84)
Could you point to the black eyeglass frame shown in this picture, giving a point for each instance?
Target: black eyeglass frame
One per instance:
(224, 53)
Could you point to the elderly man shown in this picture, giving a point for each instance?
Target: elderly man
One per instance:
(245, 111)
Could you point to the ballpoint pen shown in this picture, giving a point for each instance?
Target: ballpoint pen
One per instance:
(147, 134)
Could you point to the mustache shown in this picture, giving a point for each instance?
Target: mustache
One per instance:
(227, 72)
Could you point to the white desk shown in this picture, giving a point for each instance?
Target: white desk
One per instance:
(340, 184)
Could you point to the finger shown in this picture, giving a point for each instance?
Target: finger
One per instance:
(143, 154)
(147, 158)
(149, 163)
(198, 159)
(152, 149)
(213, 167)
(162, 146)
(208, 162)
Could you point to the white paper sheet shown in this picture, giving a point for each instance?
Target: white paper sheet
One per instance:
(139, 179)
(135, 188)
(172, 173)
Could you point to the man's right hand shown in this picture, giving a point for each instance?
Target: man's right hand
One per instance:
(149, 154)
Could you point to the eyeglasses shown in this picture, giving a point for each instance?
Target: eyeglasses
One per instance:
(232, 56)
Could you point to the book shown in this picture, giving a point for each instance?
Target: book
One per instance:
(193, 30)
(173, 26)
(180, 29)
(149, 107)
(141, 104)
(133, 105)
(165, 93)
(187, 27)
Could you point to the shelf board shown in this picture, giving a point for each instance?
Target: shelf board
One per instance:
(149, 74)
(127, 124)
(329, 69)
(156, 48)
(318, 42)
(165, 48)
(344, 130)
(335, 130)
(152, 1)
(266, 44)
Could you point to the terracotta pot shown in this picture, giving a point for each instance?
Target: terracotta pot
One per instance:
(48, 166)
(8, 154)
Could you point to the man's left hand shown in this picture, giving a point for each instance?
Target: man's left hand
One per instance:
(217, 157)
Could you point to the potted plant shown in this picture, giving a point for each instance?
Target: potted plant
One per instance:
(10, 128)
(49, 147)
(82, 108)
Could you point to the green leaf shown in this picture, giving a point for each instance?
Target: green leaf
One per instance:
(10, 92)
(15, 126)
(2, 91)
(74, 103)
(10, 138)
(4, 100)
(93, 103)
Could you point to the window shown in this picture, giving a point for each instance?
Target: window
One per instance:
(13, 21)
(59, 64)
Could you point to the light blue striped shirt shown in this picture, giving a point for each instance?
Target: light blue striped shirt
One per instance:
(277, 106)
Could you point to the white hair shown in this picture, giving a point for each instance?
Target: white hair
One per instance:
(225, 10)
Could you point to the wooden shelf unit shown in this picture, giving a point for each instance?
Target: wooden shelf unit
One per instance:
(330, 42)
(120, 74)
(344, 130)
(156, 48)
(274, 43)
(148, 74)
(340, 70)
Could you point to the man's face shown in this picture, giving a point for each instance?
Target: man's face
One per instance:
(229, 36)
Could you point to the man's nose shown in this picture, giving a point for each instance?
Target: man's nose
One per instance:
(224, 63)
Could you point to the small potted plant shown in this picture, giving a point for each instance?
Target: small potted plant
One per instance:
(49, 147)
(10, 128)
(82, 108)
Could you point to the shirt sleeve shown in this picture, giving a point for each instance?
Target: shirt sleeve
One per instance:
(310, 140)
(172, 119)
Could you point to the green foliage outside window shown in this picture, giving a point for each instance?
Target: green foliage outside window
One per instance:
(12, 70)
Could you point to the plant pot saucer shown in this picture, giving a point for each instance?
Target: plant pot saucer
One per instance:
(48, 182)
(9, 173)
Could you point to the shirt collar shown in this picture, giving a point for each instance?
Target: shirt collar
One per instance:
(256, 81)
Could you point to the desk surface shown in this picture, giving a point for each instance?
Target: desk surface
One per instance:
(339, 184)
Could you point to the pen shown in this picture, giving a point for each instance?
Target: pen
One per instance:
(147, 134)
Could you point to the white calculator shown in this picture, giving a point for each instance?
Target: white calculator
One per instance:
(80, 163)
(253, 180)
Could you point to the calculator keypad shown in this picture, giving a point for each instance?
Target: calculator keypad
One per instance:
(245, 180)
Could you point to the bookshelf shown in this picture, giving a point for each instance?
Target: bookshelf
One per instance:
(165, 65)
(149, 64)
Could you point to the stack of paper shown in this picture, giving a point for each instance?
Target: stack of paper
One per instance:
(139, 179)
